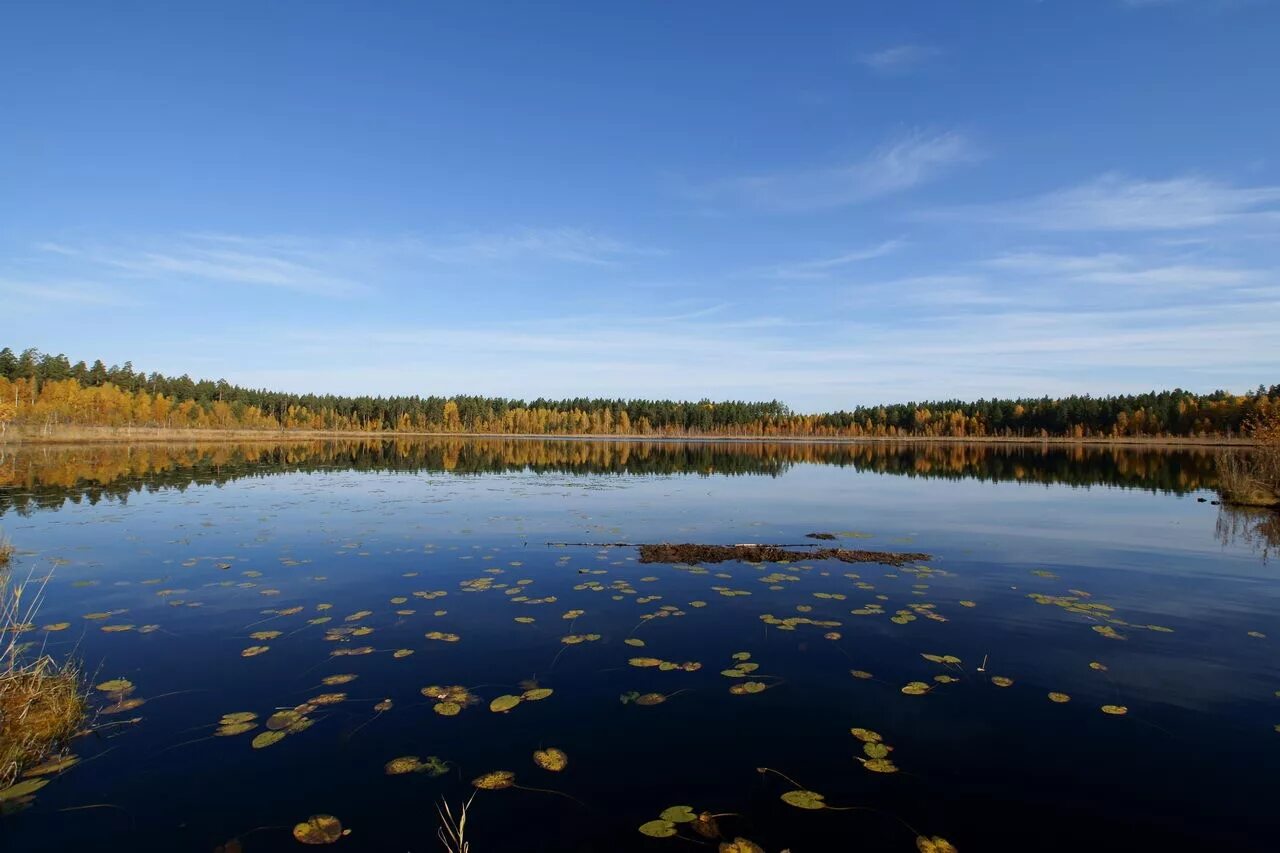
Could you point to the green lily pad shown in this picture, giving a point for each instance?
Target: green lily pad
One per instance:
(658, 829)
(678, 814)
(804, 799)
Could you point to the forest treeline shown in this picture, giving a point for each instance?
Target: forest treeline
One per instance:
(48, 391)
(50, 477)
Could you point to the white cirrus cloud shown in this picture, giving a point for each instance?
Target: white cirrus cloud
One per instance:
(825, 267)
(569, 245)
(1124, 270)
(897, 166)
(898, 59)
(1116, 202)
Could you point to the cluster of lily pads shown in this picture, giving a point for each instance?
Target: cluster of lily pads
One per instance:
(450, 700)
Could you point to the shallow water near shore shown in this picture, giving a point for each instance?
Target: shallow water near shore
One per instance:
(1092, 574)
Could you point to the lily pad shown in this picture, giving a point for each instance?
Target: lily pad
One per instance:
(22, 789)
(53, 765)
(658, 829)
(804, 799)
(319, 829)
(740, 845)
(402, 765)
(267, 739)
(115, 685)
(678, 814)
(551, 759)
(495, 781)
(504, 703)
(237, 717)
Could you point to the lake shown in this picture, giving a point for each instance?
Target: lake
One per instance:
(296, 617)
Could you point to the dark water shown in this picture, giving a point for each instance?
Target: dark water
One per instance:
(205, 542)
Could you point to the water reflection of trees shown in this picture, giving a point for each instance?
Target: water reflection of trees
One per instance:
(45, 476)
(1252, 527)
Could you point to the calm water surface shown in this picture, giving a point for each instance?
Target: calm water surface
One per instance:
(198, 548)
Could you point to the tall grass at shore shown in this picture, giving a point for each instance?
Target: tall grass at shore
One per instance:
(42, 700)
(1252, 478)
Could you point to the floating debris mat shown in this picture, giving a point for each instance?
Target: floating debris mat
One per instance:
(693, 553)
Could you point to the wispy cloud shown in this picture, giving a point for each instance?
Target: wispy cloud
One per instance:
(570, 245)
(1009, 349)
(1125, 270)
(64, 292)
(1115, 202)
(898, 59)
(822, 268)
(219, 259)
(895, 167)
(334, 268)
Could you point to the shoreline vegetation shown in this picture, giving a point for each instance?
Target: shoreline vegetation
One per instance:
(44, 395)
(1252, 479)
(63, 434)
(42, 700)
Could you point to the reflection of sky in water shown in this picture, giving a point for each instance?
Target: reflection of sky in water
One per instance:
(997, 758)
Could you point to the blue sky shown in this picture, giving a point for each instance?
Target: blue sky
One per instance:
(826, 203)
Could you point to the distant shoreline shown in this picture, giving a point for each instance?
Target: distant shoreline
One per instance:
(140, 435)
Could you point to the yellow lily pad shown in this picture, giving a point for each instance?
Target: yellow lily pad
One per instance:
(267, 739)
(495, 781)
(53, 765)
(739, 845)
(22, 789)
(115, 685)
(319, 829)
(551, 759)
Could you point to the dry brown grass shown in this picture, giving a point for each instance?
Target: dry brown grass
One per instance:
(1252, 478)
(41, 707)
(42, 701)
